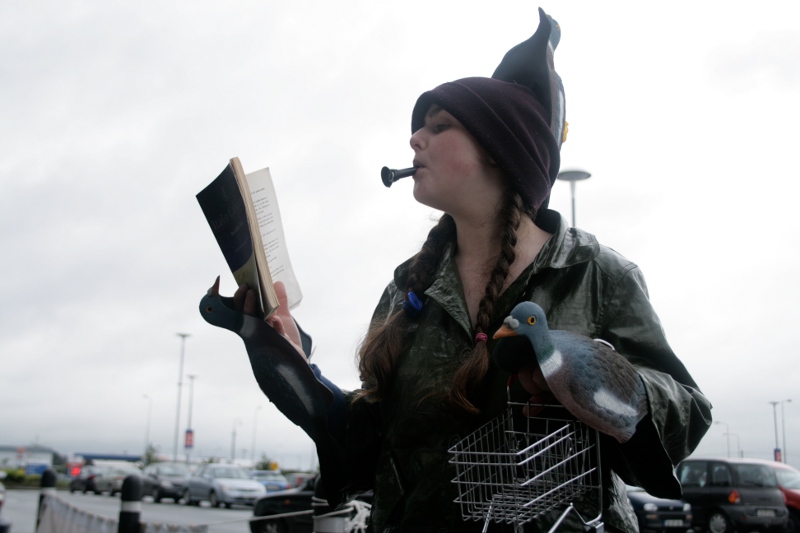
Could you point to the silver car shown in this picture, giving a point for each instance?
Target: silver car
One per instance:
(222, 485)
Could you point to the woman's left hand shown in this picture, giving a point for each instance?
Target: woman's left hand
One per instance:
(244, 301)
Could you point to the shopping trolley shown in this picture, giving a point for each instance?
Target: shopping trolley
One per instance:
(516, 468)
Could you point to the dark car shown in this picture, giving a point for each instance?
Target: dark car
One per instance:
(290, 501)
(732, 494)
(658, 514)
(165, 480)
(85, 480)
(110, 480)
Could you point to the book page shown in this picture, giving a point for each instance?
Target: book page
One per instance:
(269, 222)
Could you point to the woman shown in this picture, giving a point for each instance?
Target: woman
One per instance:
(487, 157)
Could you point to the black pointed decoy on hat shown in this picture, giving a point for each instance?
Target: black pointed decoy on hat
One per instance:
(530, 63)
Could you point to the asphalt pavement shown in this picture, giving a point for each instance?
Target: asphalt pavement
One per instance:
(20, 509)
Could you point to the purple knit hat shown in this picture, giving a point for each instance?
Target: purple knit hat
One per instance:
(509, 122)
(517, 115)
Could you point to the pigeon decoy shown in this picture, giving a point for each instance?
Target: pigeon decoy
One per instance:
(286, 379)
(587, 376)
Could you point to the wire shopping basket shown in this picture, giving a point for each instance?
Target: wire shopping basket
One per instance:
(517, 468)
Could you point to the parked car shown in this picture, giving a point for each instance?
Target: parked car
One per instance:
(85, 480)
(2, 489)
(5, 526)
(110, 480)
(658, 514)
(297, 479)
(732, 494)
(272, 480)
(165, 480)
(290, 501)
(222, 485)
(789, 483)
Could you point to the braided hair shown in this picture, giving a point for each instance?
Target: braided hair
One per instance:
(386, 341)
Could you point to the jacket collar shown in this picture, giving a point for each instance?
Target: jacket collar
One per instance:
(567, 247)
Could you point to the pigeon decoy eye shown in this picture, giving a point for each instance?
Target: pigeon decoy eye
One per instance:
(531, 320)
(209, 309)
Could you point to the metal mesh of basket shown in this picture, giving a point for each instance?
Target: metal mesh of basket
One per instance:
(513, 475)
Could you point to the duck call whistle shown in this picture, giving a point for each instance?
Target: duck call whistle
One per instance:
(390, 175)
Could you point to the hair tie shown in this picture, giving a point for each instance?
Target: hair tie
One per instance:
(412, 306)
(481, 337)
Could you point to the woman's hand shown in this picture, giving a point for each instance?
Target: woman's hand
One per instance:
(532, 380)
(244, 301)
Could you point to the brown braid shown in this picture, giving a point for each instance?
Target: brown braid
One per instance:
(384, 342)
(471, 373)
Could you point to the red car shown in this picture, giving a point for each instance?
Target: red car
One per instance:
(789, 483)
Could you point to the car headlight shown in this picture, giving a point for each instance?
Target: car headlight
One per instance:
(261, 488)
(166, 484)
(687, 507)
(650, 507)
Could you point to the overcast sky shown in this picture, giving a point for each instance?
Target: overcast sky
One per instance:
(115, 114)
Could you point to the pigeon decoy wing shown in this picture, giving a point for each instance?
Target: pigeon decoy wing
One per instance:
(282, 373)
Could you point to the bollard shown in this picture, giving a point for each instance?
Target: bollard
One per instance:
(48, 485)
(131, 509)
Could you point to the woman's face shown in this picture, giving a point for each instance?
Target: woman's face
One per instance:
(453, 171)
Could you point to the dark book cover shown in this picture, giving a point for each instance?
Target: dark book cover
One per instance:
(223, 206)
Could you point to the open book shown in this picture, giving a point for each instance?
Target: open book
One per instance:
(242, 211)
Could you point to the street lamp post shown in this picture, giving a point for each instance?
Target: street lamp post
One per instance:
(777, 453)
(180, 385)
(147, 426)
(727, 432)
(783, 428)
(738, 447)
(187, 445)
(255, 425)
(572, 176)
(236, 422)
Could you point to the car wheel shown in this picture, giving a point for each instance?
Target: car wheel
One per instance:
(718, 522)
(213, 500)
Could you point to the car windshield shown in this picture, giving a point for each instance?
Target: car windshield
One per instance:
(755, 475)
(173, 470)
(788, 479)
(230, 473)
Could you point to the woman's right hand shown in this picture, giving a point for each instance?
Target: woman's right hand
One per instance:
(244, 301)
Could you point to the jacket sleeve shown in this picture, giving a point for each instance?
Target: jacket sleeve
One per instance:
(361, 436)
(679, 414)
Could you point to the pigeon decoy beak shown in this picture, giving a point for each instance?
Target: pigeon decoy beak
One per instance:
(214, 290)
(504, 331)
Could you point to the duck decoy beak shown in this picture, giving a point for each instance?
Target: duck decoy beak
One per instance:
(504, 331)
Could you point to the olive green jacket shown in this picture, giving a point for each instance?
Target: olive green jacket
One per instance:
(398, 447)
